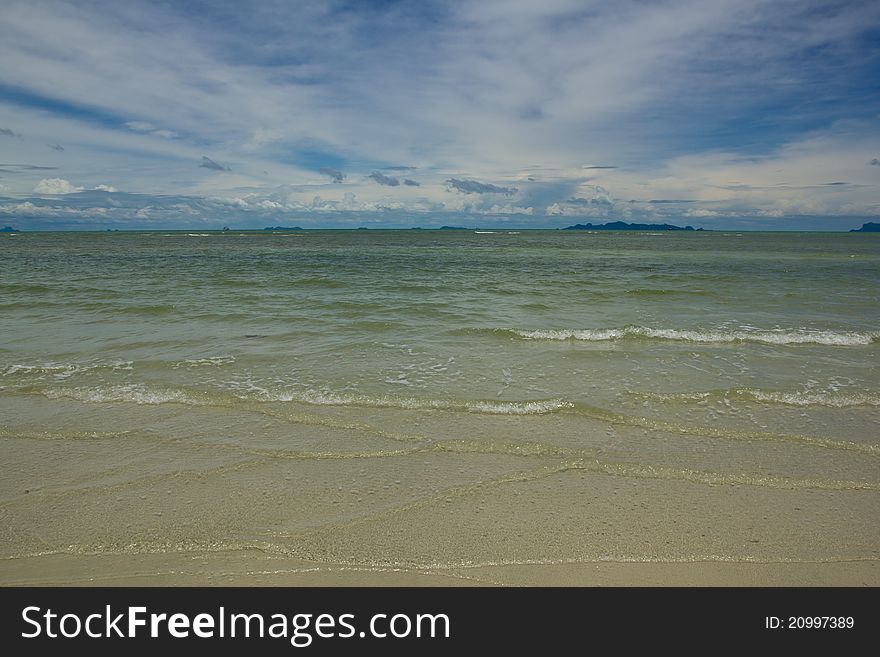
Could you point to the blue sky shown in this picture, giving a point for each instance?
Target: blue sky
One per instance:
(722, 114)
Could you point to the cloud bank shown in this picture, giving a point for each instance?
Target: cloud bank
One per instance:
(55, 186)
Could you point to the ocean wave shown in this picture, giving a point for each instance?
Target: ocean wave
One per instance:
(142, 394)
(62, 370)
(718, 336)
(26, 287)
(539, 407)
(648, 292)
(490, 407)
(155, 309)
(833, 399)
(131, 393)
(257, 396)
(199, 362)
(317, 281)
(828, 398)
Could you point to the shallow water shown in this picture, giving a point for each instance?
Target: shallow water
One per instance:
(403, 397)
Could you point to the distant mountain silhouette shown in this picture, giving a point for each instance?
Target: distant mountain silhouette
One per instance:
(869, 227)
(8, 229)
(622, 225)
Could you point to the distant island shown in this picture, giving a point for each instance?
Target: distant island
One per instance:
(282, 228)
(452, 228)
(869, 227)
(622, 225)
(8, 229)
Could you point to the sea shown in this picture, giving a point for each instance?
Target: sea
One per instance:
(441, 400)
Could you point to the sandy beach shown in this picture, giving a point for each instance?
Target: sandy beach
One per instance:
(366, 421)
(254, 568)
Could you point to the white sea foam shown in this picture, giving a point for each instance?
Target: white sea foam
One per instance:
(329, 398)
(198, 362)
(829, 398)
(63, 370)
(775, 336)
(133, 393)
(519, 408)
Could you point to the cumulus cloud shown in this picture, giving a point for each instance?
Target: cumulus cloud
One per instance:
(566, 210)
(56, 186)
(598, 200)
(27, 209)
(382, 179)
(288, 89)
(597, 195)
(105, 188)
(701, 213)
(590, 201)
(6, 132)
(507, 209)
(476, 187)
(208, 163)
(335, 174)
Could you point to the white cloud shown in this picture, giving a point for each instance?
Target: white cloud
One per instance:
(105, 188)
(508, 209)
(27, 209)
(512, 93)
(55, 186)
(144, 127)
(140, 126)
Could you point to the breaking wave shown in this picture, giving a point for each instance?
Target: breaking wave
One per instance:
(828, 398)
(720, 336)
(492, 407)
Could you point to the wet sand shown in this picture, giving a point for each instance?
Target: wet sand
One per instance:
(235, 503)
(252, 568)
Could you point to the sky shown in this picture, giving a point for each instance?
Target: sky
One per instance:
(744, 114)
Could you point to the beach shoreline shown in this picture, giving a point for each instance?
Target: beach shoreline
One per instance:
(621, 409)
(254, 568)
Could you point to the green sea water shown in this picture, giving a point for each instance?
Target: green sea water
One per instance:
(363, 377)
